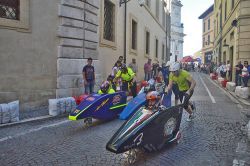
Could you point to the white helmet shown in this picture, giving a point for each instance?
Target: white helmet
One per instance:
(168, 63)
(175, 66)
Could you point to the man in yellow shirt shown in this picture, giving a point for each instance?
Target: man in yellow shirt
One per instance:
(106, 88)
(127, 75)
(186, 85)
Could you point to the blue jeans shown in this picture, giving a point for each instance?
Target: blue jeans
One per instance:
(89, 87)
(245, 81)
(237, 80)
(147, 76)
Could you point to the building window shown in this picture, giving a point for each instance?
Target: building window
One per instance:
(232, 35)
(147, 43)
(232, 7)
(204, 26)
(157, 9)
(225, 10)
(134, 35)
(204, 41)
(208, 25)
(208, 40)
(108, 21)
(10, 9)
(163, 16)
(156, 48)
(14, 14)
(163, 52)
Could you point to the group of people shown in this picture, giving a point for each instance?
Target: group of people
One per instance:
(122, 78)
(225, 70)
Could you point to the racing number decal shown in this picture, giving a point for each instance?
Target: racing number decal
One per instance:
(138, 139)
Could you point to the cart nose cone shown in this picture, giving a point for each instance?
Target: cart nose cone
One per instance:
(112, 148)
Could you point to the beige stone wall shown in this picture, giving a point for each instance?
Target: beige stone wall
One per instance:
(234, 41)
(146, 19)
(208, 47)
(29, 55)
(78, 40)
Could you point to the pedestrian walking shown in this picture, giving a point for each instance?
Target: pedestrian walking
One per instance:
(88, 73)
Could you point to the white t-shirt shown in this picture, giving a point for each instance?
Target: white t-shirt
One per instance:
(114, 71)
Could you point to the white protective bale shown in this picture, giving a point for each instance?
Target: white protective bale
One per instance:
(5, 113)
(242, 92)
(231, 86)
(237, 90)
(61, 105)
(53, 111)
(14, 111)
(245, 93)
(70, 104)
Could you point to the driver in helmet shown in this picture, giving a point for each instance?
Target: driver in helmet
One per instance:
(186, 85)
(153, 100)
(106, 88)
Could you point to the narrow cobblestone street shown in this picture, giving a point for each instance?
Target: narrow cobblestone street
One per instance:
(213, 138)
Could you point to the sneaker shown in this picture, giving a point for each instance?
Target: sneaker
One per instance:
(190, 117)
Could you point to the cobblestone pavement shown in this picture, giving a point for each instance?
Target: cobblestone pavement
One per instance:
(213, 138)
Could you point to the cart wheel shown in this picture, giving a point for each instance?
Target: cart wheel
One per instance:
(88, 121)
(131, 156)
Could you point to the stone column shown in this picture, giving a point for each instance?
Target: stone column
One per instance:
(78, 40)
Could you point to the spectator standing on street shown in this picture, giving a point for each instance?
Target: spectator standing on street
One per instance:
(229, 71)
(147, 70)
(88, 73)
(238, 69)
(115, 68)
(165, 72)
(245, 73)
(134, 67)
(120, 59)
(155, 69)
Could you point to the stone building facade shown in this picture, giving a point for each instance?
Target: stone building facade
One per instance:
(232, 31)
(207, 34)
(44, 45)
(146, 26)
(177, 31)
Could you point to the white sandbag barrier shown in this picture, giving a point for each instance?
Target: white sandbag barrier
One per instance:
(9, 112)
(242, 92)
(231, 86)
(61, 106)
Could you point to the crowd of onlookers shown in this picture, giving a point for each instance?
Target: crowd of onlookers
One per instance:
(225, 70)
(157, 71)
